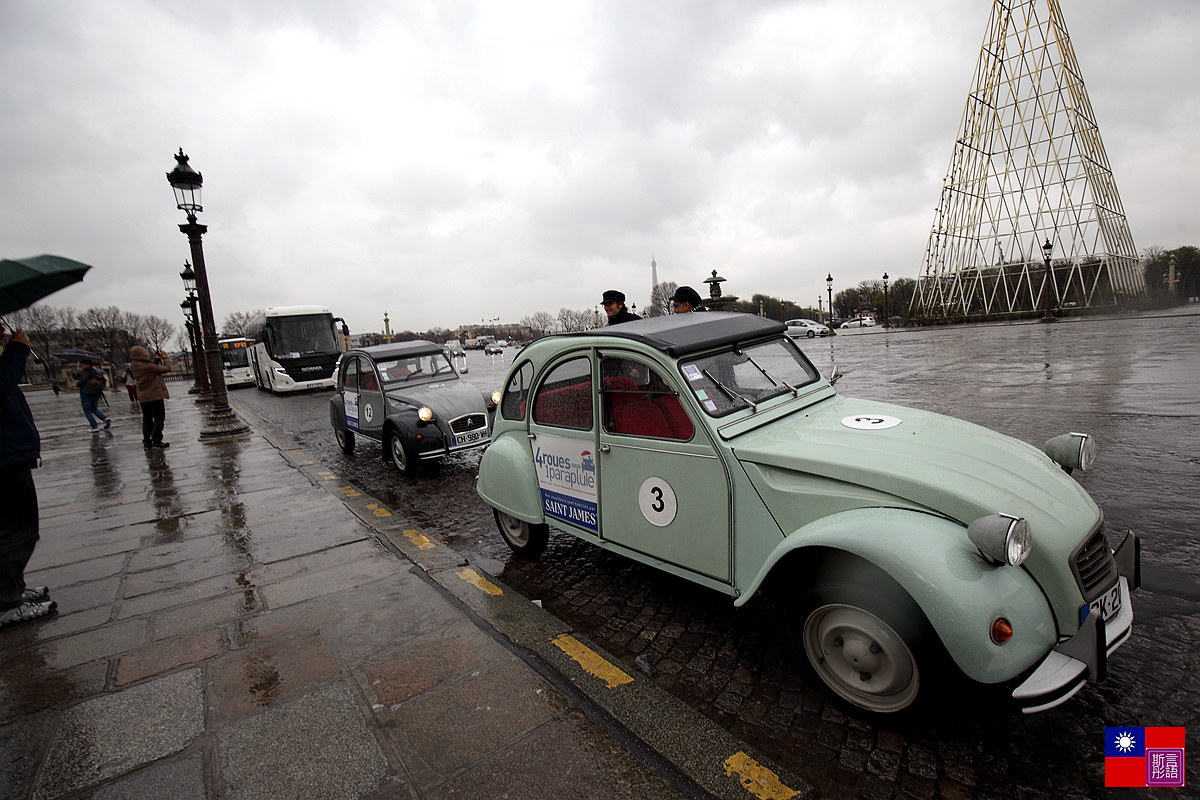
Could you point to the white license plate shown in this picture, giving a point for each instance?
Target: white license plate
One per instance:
(1108, 604)
(470, 436)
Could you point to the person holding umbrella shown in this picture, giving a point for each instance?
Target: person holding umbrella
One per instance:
(20, 451)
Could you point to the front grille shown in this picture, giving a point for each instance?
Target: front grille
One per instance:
(1093, 565)
(468, 422)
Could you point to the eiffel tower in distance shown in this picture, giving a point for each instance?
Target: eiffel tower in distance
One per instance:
(1029, 217)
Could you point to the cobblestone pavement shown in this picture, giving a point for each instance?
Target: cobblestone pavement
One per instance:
(1133, 383)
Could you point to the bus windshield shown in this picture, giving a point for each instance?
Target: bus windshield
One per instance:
(233, 354)
(304, 334)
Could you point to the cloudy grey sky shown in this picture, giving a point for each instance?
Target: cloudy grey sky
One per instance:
(459, 160)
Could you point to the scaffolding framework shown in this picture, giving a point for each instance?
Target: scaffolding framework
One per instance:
(1028, 166)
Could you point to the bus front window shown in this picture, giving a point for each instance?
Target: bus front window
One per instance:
(303, 335)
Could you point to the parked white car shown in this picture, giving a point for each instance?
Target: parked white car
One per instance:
(806, 327)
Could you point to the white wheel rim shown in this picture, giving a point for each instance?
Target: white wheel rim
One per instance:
(861, 658)
(514, 530)
(398, 454)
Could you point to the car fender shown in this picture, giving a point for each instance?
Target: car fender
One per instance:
(407, 426)
(958, 590)
(337, 413)
(507, 480)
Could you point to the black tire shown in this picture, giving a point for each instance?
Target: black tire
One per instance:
(401, 456)
(526, 539)
(867, 640)
(345, 440)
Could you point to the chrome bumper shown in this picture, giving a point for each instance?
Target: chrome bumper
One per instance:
(1084, 657)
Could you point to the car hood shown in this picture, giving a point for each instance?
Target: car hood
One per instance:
(447, 399)
(956, 468)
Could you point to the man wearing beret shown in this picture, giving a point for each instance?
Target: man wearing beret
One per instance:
(614, 306)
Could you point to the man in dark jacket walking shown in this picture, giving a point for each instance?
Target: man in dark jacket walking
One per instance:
(91, 383)
(614, 307)
(151, 393)
(20, 448)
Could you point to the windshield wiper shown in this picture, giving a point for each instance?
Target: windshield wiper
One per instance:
(416, 372)
(771, 378)
(730, 392)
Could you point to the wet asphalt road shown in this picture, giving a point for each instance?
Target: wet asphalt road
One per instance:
(1134, 383)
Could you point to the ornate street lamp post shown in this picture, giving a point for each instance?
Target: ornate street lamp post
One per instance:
(222, 422)
(193, 355)
(885, 308)
(1047, 251)
(200, 385)
(829, 286)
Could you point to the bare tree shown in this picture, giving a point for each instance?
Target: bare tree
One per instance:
(235, 324)
(660, 299)
(570, 320)
(539, 324)
(40, 323)
(159, 331)
(104, 330)
(136, 331)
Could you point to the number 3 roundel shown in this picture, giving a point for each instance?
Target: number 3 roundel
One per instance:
(656, 498)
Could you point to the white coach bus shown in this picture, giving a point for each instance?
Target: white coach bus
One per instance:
(294, 348)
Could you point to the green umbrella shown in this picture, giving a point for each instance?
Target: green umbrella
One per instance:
(24, 281)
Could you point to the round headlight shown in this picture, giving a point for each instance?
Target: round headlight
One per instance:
(1072, 451)
(1017, 544)
(495, 398)
(425, 414)
(1002, 538)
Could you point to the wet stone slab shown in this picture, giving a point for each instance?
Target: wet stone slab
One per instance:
(116, 733)
(563, 760)
(267, 674)
(469, 720)
(182, 779)
(317, 748)
(401, 673)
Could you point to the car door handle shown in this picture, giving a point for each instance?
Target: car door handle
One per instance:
(531, 435)
(604, 448)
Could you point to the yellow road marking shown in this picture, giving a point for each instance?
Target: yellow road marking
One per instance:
(591, 661)
(757, 779)
(419, 539)
(350, 491)
(297, 452)
(478, 581)
(326, 476)
(379, 512)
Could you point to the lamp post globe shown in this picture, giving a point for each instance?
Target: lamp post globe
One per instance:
(222, 422)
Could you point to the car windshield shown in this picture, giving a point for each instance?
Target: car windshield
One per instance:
(414, 368)
(743, 377)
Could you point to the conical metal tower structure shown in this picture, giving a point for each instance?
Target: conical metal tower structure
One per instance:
(1028, 170)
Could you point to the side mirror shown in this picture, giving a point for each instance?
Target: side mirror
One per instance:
(835, 376)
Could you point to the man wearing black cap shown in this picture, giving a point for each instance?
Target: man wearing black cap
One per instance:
(614, 306)
(686, 299)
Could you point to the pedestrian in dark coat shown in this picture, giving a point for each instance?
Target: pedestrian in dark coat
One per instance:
(151, 393)
(20, 448)
(91, 383)
(614, 307)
